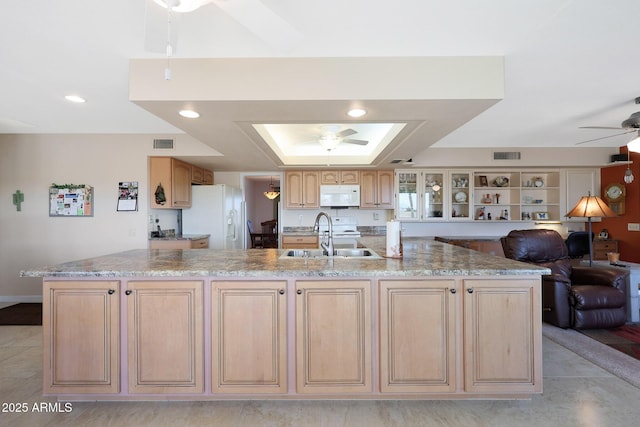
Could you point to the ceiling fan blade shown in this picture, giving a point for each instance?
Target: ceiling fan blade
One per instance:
(346, 132)
(599, 127)
(156, 28)
(605, 137)
(262, 21)
(355, 141)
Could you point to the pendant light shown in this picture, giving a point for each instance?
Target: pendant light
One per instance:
(272, 193)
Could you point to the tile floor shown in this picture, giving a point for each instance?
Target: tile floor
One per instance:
(576, 393)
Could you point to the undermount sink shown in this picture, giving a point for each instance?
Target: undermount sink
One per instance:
(346, 253)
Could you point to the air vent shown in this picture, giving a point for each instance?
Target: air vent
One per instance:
(397, 161)
(163, 144)
(506, 155)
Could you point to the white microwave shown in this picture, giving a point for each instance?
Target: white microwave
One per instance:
(339, 196)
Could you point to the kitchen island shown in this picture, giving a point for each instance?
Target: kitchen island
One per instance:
(443, 322)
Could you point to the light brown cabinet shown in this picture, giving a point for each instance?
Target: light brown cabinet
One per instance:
(501, 335)
(302, 189)
(207, 177)
(179, 244)
(497, 322)
(339, 177)
(165, 321)
(418, 336)
(299, 242)
(249, 337)
(80, 323)
(174, 177)
(333, 336)
(201, 176)
(376, 189)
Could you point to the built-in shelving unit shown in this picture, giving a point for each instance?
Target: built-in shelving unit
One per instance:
(480, 195)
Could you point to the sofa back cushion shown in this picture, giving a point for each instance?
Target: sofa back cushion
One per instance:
(545, 248)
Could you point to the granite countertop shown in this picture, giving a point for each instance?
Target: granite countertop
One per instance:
(421, 258)
(473, 238)
(181, 237)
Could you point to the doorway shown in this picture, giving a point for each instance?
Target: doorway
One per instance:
(263, 212)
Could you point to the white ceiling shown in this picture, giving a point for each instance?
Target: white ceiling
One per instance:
(567, 64)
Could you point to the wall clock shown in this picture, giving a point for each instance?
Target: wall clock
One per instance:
(615, 194)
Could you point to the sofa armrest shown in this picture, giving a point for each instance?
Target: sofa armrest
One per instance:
(556, 280)
(585, 276)
(555, 300)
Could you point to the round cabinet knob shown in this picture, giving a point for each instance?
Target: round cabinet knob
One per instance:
(281, 291)
(470, 290)
(453, 291)
(127, 292)
(111, 291)
(299, 292)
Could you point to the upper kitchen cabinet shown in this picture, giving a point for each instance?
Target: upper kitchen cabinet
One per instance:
(376, 189)
(421, 195)
(201, 176)
(170, 183)
(340, 177)
(302, 189)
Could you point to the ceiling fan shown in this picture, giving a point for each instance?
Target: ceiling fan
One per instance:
(632, 124)
(331, 136)
(163, 16)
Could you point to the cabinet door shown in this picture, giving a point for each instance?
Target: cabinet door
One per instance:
(293, 189)
(368, 189)
(417, 336)
(249, 337)
(160, 175)
(329, 177)
(165, 337)
(376, 189)
(311, 189)
(181, 179)
(80, 326)
(333, 336)
(197, 175)
(407, 197)
(433, 195)
(385, 189)
(502, 336)
(349, 177)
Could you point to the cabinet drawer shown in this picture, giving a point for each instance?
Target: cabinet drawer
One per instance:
(200, 244)
(605, 245)
(299, 242)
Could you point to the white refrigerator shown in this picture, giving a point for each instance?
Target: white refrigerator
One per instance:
(215, 210)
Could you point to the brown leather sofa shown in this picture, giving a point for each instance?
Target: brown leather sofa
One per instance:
(577, 297)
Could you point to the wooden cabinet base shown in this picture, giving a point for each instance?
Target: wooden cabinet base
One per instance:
(293, 338)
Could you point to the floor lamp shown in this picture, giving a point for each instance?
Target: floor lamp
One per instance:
(589, 207)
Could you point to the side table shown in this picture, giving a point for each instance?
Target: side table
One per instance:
(633, 285)
(601, 247)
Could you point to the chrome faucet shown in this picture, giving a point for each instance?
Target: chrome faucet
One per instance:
(328, 247)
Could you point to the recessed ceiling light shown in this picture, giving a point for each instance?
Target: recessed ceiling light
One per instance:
(189, 114)
(75, 98)
(357, 112)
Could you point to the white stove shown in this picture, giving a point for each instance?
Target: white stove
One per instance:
(345, 231)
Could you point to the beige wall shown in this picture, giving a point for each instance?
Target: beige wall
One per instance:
(31, 163)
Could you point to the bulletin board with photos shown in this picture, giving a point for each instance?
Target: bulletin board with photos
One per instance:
(70, 200)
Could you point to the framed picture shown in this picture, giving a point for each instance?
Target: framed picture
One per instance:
(70, 200)
(541, 215)
(483, 180)
(128, 196)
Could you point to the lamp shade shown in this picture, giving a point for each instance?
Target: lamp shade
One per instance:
(589, 207)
